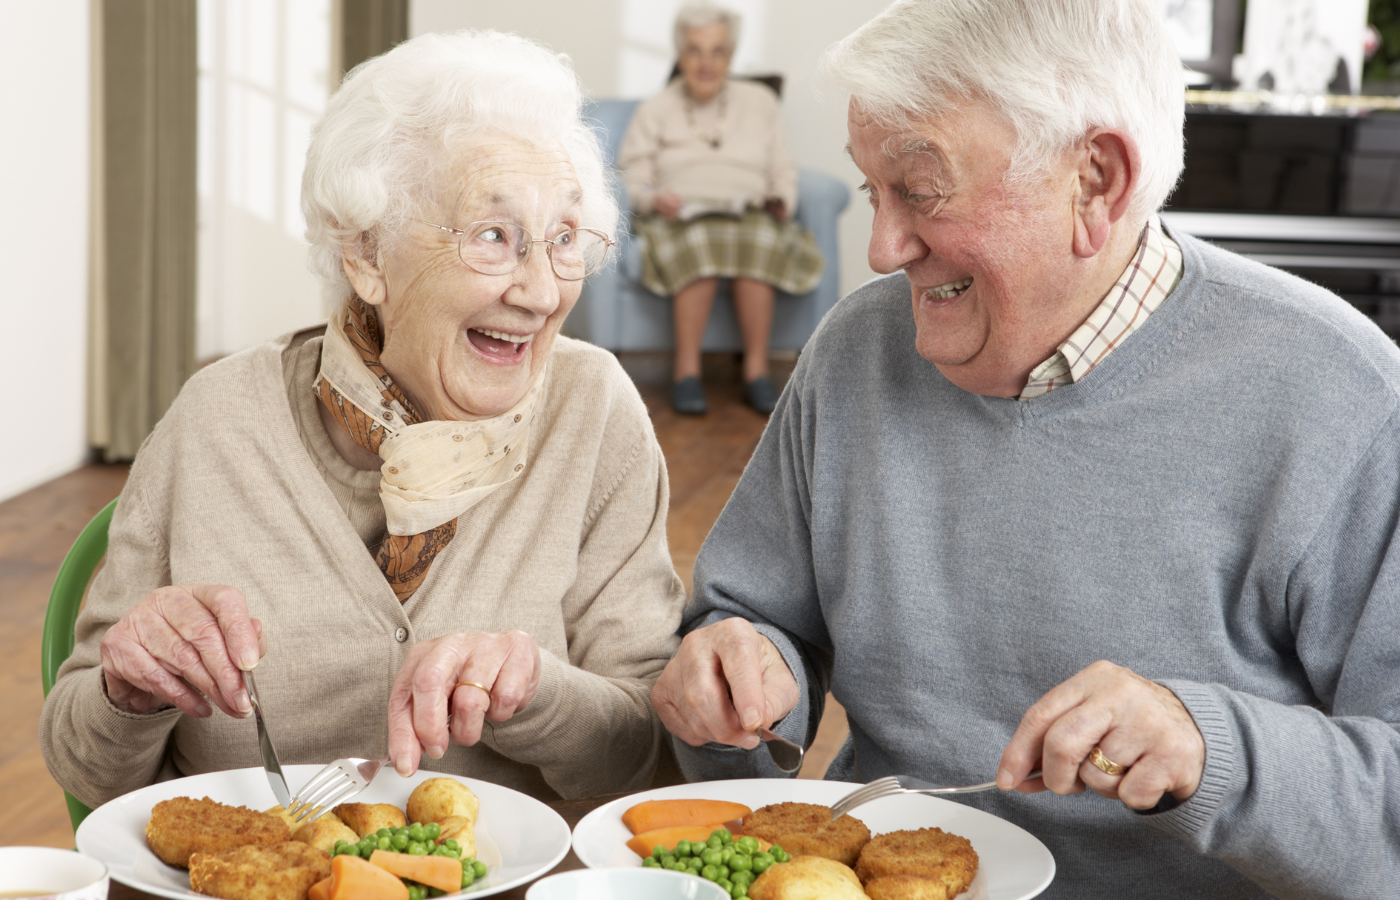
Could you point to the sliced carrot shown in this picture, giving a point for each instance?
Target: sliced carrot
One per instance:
(654, 814)
(353, 878)
(321, 890)
(441, 872)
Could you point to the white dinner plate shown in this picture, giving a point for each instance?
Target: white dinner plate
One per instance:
(1014, 864)
(518, 837)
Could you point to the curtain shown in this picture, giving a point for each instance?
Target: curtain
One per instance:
(369, 28)
(145, 218)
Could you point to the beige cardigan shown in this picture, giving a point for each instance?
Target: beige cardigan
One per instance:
(232, 488)
(662, 152)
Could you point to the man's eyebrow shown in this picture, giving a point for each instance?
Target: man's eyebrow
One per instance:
(849, 155)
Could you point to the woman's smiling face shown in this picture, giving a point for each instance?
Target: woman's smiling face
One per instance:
(462, 344)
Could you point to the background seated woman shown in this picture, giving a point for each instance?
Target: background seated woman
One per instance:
(710, 179)
(435, 505)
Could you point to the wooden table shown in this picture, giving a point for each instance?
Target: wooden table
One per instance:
(571, 810)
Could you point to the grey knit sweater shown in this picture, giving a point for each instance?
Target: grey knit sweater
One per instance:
(1214, 506)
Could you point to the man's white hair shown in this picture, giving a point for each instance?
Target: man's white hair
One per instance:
(1054, 68)
(381, 155)
(700, 13)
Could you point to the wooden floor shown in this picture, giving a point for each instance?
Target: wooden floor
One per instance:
(705, 456)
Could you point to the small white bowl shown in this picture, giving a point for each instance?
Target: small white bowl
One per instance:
(51, 873)
(624, 884)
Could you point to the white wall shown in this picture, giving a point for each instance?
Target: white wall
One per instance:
(44, 239)
(612, 43)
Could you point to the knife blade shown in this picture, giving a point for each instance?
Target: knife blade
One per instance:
(275, 778)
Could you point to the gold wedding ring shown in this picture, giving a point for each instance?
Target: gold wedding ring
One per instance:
(475, 684)
(1104, 764)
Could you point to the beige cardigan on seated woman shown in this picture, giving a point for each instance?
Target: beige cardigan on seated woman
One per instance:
(239, 485)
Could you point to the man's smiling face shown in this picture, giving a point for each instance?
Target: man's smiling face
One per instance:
(989, 262)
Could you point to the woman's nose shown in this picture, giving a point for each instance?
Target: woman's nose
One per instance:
(536, 288)
(893, 241)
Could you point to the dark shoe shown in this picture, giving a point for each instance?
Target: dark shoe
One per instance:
(688, 397)
(761, 394)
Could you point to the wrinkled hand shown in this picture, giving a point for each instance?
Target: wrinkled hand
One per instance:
(183, 646)
(776, 207)
(1135, 722)
(725, 682)
(427, 690)
(668, 204)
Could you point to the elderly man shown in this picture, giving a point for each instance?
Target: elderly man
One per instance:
(1111, 502)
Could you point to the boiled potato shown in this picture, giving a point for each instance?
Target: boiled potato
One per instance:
(438, 798)
(367, 818)
(462, 830)
(322, 833)
(281, 813)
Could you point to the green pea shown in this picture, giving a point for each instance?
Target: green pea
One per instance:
(726, 884)
(417, 848)
(416, 833)
(432, 829)
(695, 863)
(712, 856)
(479, 868)
(714, 842)
(723, 833)
(761, 862)
(399, 841)
(710, 873)
(436, 892)
(651, 863)
(451, 843)
(749, 843)
(657, 852)
(723, 872)
(683, 848)
(385, 843)
(741, 863)
(468, 876)
(416, 892)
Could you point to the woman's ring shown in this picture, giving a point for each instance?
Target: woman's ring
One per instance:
(475, 684)
(1104, 764)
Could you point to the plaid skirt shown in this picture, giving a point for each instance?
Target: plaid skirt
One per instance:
(757, 246)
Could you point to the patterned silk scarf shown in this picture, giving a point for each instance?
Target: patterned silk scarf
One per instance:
(433, 471)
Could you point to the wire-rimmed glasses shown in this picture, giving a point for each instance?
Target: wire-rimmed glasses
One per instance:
(499, 248)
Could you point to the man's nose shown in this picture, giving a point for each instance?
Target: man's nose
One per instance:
(893, 241)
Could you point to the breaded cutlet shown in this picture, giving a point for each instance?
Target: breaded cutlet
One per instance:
(282, 871)
(807, 878)
(928, 864)
(806, 829)
(182, 826)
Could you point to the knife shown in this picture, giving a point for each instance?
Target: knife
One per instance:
(269, 753)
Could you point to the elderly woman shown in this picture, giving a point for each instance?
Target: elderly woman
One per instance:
(1070, 491)
(434, 506)
(709, 177)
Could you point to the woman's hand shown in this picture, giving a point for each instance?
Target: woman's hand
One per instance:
(776, 207)
(725, 682)
(668, 204)
(179, 646)
(1135, 723)
(430, 687)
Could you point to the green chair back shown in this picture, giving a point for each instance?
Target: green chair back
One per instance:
(65, 598)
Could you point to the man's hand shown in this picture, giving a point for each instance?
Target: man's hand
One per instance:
(668, 204)
(429, 688)
(726, 681)
(1135, 723)
(776, 207)
(183, 646)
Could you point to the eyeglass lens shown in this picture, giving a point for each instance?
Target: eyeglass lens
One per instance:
(496, 248)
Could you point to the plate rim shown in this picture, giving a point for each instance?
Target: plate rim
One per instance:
(739, 783)
(556, 855)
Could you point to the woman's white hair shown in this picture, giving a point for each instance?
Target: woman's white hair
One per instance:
(700, 13)
(1054, 68)
(383, 150)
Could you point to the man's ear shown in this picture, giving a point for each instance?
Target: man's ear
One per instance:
(361, 262)
(1109, 168)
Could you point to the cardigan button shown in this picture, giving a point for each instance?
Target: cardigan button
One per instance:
(401, 635)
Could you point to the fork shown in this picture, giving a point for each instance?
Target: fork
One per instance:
(904, 784)
(338, 781)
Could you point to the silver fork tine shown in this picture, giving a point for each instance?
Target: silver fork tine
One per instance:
(312, 813)
(320, 780)
(881, 787)
(319, 797)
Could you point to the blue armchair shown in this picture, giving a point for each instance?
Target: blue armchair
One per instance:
(616, 312)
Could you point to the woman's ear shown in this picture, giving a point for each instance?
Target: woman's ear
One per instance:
(361, 262)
